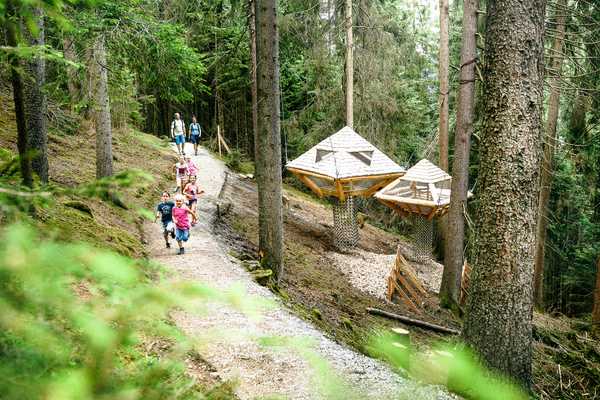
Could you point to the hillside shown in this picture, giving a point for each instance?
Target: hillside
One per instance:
(72, 164)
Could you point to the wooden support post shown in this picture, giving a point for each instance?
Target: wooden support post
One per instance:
(219, 139)
(311, 185)
(340, 191)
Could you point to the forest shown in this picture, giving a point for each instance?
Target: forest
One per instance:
(386, 199)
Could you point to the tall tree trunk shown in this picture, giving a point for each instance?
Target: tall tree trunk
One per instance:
(268, 138)
(500, 303)
(36, 105)
(453, 253)
(596, 309)
(443, 65)
(72, 82)
(18, 97)
(548, 155)
(102, 120)
(349, 66)
(252, 26)
(444, 61)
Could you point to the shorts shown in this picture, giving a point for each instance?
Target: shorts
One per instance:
(195, 139)
(192, 201)
(168, 227)
(179, 139)
(182, 235)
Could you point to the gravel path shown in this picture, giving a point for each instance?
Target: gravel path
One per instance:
(368, 272)
(234, 350)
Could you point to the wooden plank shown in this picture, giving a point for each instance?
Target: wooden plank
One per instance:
(222, 140)
(412, 321)
(218, 140)
(311, 185)
(405, 298)
(390, 288)
(390, 177)
(340, 191)
(405, 200)
(409, 288)
(310, 173)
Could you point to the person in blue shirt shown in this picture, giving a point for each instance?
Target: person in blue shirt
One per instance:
(164, 210)
(195, 131)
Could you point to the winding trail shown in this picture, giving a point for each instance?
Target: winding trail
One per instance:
(233, 348)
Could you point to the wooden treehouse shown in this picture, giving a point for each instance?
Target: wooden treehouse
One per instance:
(424, 190)
(343, 166)
(422, 194)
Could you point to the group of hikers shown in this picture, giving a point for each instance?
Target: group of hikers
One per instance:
(178, 216)
(178, 133)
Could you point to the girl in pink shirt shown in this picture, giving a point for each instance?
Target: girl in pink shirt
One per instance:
(191, 192)
(191, 166)
(181, 214)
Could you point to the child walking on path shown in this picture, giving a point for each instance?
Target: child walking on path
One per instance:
(181, 214)
(191, 192)
(164, 210)
(192, 168)
(181, 173)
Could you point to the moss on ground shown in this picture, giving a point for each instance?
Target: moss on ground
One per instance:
(72, 163)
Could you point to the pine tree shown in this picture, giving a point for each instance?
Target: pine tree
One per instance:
(268, 137)
(454, 244)
(498, 323)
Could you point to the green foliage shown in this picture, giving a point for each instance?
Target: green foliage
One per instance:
(74, 320)
(452, 366)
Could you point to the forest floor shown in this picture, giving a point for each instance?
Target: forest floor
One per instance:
(247, 349)
(332, 289)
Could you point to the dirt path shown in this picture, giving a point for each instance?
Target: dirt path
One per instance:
(234, 350)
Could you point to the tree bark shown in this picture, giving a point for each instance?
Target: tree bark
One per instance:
(18, 97)
(453, 253)
(268, 138)
(500, 303)
(36, 105)
(252, 29)
(349, 66)
(549, 147)
(596, 309)
(70, 55)
(444, 61)
(101, 104)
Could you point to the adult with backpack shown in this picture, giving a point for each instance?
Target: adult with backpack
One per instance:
(195, 132)
(178, 133)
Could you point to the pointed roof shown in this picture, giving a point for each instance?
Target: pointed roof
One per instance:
(426, 172)
(345, 154)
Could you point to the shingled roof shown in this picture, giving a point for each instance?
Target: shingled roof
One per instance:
(426, 172)
(345, 154)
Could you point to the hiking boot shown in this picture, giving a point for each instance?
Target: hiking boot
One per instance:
(182, 250)
(168, 245)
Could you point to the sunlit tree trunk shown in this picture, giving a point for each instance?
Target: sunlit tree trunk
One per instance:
(453, 254)
(498, 324)
(18, 97)
(101, 105)
(268, 138)
(36, 105)
(549, 151)
(349, 66)
(444, 61)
